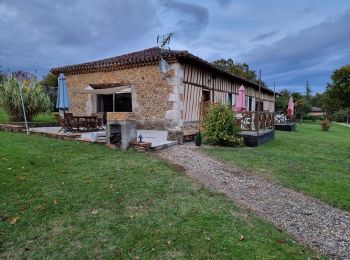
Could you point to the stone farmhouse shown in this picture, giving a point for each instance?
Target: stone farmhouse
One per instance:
(134, 83)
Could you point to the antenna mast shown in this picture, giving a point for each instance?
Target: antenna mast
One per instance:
(163, 42)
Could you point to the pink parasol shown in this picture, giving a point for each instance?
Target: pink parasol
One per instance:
(240, 106)
(290, 109)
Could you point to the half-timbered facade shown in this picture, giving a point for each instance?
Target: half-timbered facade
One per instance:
(203, 83)
(134, 83)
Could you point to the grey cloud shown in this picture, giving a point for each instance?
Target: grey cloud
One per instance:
(190, 19)
(307, 10)
(42, 34)
(315, 51)
(264, 36)
(224, 3)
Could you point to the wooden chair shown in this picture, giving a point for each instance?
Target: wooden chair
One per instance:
(99, 122)
(59, 121)
(71, 124)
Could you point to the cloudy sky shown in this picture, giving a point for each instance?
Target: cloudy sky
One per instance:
(290, 41)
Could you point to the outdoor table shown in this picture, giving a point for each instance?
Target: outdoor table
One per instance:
(88, 122)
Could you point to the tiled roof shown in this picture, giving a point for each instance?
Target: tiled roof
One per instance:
(134, 59)
(145, 57)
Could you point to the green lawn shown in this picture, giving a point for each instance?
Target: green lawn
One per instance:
(43, 118)
(79, 200)
(309, 160)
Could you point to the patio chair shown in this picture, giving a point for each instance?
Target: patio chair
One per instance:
(99, 122)
(71, 123)
(59, 121)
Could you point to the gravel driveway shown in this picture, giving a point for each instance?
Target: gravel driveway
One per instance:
(308, 220)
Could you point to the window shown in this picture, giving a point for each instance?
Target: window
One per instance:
(205, 95)
(118, 102)
(250, 103)
(230, 99)
(122, 102)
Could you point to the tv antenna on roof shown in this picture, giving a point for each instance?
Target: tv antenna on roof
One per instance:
(163, 42)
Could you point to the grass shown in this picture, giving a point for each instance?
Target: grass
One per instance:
(86, 201)
(42, 118)
(309, 160)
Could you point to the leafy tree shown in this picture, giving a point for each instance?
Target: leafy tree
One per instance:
(337, 94)
(308, 91)
(317, 100)
(302, 105)
(50, 85)
(281, 102)
(2, 76)
(35, 99)
(240, 69)
(49, 80)
(24, 77)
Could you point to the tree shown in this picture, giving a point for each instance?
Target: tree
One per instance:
(50, 85)
(281, 102)
(50, 80)
(317, 100)
(337, 95)
(240, 69)
(302, 105)
(2, 76)
(308, 91)
(35, 99)
(24, 77)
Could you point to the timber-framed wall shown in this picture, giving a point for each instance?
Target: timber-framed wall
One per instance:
(222, 89)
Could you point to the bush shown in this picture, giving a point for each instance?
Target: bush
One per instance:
(307, 117)
(220, 127)
(340, 116)
(325, 125)
(198, 138)
(35, 100)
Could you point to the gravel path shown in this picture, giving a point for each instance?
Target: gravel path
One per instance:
(348, 125)
(308, 220)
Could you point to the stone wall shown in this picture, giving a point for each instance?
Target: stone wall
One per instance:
(176, 97)
(151, 94)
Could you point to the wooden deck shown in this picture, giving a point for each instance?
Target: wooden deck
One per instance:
(254, 138)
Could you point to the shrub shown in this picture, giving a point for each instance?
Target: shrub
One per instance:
(340, 116)
(35, 100)
(198, 139)
(308, 117)
(220, 127)
(325, 125)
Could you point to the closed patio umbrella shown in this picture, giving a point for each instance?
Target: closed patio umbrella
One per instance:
(290, 109)
(240, 106)
(62, 97)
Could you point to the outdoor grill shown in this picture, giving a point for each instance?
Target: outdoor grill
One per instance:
(121, 133)
(116, 139)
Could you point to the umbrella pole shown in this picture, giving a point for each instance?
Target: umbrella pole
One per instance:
(64, 121)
